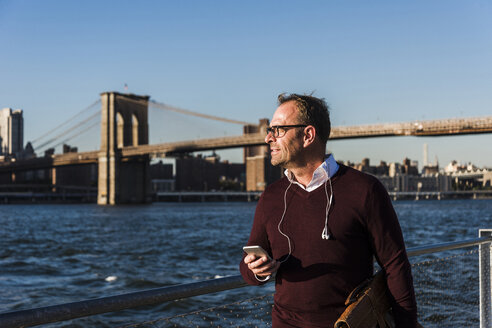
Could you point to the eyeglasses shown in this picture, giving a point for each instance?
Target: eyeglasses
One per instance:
(278, 131)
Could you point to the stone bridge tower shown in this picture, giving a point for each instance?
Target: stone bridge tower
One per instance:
(124, 123)
(259, 171)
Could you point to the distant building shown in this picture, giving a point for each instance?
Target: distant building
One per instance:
(468, 176)
(405, 177)
(161, 170)
(49, 152)
(430, 169)
(27, 153)
(453, 167)
(208, 174)
(69, 149)
(394, 169)
(410, 167)
(161, 175)
(407, 182)
(11, 132)
(487, 179)
(381, 169)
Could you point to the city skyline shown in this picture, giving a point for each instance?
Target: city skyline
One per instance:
(374, 63)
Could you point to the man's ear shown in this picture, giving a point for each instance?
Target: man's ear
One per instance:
(309, 135)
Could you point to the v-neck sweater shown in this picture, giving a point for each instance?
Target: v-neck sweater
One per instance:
(314, 282)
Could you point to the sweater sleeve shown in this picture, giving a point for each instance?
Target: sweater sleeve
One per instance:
(258, 236)
(389, 248)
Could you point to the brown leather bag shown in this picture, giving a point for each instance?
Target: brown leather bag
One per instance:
(368, 306)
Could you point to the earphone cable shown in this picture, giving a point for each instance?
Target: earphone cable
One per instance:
(325, 234)
(280, 223)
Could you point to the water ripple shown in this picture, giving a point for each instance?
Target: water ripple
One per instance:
(52, 254)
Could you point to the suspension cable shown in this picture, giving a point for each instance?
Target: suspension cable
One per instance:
(189, 112)
(77, 134)
(71, 129)
(66, 122)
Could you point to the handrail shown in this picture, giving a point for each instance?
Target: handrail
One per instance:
(426, 249)
(67, 311)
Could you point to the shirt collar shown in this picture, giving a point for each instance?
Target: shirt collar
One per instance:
(327, 169)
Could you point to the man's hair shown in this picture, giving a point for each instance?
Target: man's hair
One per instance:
(312, 111)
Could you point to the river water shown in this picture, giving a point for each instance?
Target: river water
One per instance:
(52, 254)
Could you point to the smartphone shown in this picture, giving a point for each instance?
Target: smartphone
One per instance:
(257, 250)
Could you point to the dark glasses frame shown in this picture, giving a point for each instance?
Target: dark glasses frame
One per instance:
(275, 129)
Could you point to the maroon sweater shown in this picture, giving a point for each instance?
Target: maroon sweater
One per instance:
(312, 285)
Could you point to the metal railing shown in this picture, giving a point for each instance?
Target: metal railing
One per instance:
(68, 311)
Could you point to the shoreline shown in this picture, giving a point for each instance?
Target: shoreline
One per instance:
(27, 198)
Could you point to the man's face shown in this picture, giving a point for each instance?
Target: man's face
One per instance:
(286, 150)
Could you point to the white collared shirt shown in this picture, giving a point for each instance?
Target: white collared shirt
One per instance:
(327, 169)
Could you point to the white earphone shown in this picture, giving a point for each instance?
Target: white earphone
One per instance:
(325, 234)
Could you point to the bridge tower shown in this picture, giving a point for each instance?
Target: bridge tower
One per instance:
(259, 170)
(124, 123)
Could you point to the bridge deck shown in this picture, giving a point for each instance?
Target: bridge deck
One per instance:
(418, 128)
(422, 128)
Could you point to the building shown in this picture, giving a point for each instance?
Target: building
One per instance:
(161, 177)
(208, 174)
(468, 176)
(413, 183)
(404, 177)
(11, 132)
(365, 166)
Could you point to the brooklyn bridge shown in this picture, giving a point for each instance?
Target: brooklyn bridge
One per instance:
(124, 154)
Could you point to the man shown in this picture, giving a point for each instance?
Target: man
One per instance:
(322, 223)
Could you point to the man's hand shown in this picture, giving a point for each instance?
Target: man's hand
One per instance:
(262, 267)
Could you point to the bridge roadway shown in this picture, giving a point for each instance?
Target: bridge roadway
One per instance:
(421, 128)
(417, 128)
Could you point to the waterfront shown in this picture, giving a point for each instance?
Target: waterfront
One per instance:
(52, 254)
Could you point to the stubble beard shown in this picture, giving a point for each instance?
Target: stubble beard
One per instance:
(283, 158)
(275, 162)
(278, 159)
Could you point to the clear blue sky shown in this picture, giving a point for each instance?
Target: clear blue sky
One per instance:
(373, 61)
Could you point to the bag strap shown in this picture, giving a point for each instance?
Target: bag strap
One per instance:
(357, 291)
(361, 288)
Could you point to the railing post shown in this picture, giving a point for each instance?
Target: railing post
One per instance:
(485, 269)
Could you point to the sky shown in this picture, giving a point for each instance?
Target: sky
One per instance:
(372, 61)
